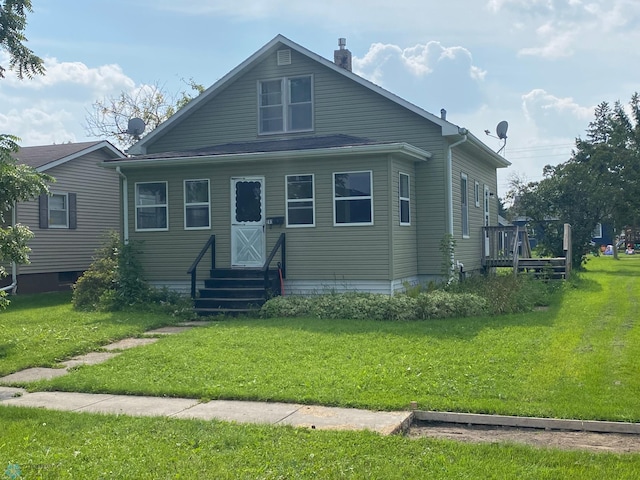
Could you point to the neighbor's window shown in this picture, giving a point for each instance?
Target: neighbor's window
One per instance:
(300, 201)
(58, 210)
(464, 204)
(286, 105)
(151, 206)
(353, 199)
(196, 204)
(597, 232)
(476, 193)
(405, 200)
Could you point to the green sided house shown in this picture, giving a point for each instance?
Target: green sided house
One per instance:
(70, 223)
(292, 160)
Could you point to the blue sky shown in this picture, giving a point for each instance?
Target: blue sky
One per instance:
(542, 65)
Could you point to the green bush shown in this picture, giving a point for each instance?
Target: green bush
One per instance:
(115, 281)
(356, 306)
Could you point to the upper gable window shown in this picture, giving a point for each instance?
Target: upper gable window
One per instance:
(286, 105)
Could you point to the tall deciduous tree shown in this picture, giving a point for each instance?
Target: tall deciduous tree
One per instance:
(109, 117)
(598, 184)
(17, 182)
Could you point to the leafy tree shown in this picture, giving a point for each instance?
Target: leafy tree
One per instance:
(110, 116)
(17, 182)
(598, 184)
(13, 20)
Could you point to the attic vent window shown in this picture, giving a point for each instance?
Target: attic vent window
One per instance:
(284, 57)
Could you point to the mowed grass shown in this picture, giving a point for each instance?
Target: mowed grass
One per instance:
(578, 359)
(42, 330)
(69, 446)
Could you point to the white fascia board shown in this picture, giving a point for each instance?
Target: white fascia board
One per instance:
(104, 144)
(403, 149)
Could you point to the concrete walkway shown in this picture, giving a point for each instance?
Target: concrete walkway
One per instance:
(325, 418)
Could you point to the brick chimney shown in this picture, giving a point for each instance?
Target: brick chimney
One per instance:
(342, 57)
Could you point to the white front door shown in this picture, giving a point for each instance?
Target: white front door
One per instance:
(247, 222)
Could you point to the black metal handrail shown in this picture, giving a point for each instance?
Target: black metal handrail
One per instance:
(194, 266)
(280, 244)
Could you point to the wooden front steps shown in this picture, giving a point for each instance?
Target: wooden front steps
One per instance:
(235, 291)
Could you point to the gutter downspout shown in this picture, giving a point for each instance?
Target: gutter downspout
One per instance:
(125, 206)
(449, 173)
(14, 268)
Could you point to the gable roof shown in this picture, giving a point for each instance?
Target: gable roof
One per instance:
(326, 145)
(448, 128)
(44, 157)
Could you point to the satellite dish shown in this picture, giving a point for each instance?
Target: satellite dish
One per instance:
(501, 130)
(135, 127)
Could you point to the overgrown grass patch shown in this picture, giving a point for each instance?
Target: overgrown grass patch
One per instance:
(41, 330)
(40, 444)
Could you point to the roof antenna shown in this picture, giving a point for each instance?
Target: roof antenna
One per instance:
(501, 132)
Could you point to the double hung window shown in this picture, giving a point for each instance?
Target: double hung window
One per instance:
(196, 204)
(353, 198)
(151, 206)
(300, 201)
(404, 200)
(464, 204)
(286, 105)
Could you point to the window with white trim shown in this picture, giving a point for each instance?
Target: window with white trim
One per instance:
(404, 199)
(353, 198)
(597, 232)
(285, 105)
(464, 204)
(476, 193)
(197, 205)
(300, 201)
(58, 207)
(151, 206)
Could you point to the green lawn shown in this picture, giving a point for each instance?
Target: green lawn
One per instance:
(41, 330)
(65, 445)
(579, 359)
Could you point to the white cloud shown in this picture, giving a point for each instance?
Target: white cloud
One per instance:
(419, 60)
(557, 45)
(52, 108)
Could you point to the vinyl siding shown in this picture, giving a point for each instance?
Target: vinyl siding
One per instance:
(98, 211)
(340, 106)
(323, 252)
(469, 250)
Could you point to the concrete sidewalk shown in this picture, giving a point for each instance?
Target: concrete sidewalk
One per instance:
(315, 417)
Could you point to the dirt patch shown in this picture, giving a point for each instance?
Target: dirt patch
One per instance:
(595, 442)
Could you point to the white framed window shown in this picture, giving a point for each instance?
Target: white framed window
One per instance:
(476, 193)
(58, 210)
(197, 205)
(285, 105)
(353, 198)
(300, 201)
(597, 232)
(464, 204)
(404, 198)
(152, 207)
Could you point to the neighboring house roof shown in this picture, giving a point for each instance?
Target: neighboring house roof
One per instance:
(318, 145)
(448, 128)
(44, 157)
